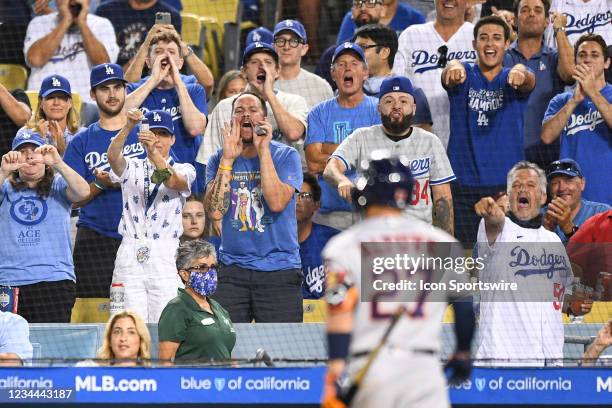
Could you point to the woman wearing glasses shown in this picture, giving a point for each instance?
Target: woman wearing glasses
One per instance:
(194, 327)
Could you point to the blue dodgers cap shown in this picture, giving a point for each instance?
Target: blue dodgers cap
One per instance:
(105, 72)
(256, 47)
(259, 34)
(348, 47)
(159, 119)
(27, 136)
(54, 83)
(567, 167)
(395, 84)
(291, 25)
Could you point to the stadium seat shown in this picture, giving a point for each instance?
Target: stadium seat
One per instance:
(191, 30)
(13, 76)
(213, 45)
(223, 10)
(33, 97)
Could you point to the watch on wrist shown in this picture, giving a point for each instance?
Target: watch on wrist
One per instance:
(557, 29)
(573, 231)
(189, 52)
(161, 175)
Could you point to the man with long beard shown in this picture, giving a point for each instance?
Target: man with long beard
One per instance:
(97, 238)
(429, 164)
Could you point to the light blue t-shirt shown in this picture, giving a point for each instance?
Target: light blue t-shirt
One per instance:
(185, 147)
(587, 139)
(35, 239)
(87, 152)
(15, 336)
(253, 236)
(586, 211)
(328, 122)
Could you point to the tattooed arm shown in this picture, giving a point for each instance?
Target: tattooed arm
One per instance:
(217, 198)
(443, 207)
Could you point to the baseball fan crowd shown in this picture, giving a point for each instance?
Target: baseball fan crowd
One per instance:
(134, 181)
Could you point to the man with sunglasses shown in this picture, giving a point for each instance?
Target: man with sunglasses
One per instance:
(394, 14)
(567, 210)
(425, 49)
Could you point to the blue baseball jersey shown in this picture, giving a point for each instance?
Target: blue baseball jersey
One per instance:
(185, 146)
(255, 237)
(405, 16)
(313, 286)
(548, 84)
(86, 152)
(35, 239)
(587, 139)
(486, 127)
(328, 122)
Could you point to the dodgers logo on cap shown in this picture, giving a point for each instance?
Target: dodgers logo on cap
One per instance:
(156, 117)
(55, 82)
(109, 70)
(105, 72)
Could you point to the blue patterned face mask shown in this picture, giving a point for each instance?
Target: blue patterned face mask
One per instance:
(204, 283)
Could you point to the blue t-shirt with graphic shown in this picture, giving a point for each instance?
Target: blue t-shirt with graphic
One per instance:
(253, 236)
(35, 241)
(405, 16)
(86, 152)
(185, 147)
(587, 139)
(486, 128)
(313, 286)
(328, 122)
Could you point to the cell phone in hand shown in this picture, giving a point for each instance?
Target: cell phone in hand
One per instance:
(163, 18)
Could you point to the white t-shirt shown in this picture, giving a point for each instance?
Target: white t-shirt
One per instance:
(162, 219)
(70, 59)
(594, 16)
(311, 87)
(428, 161)
(417, 58)
(222, 114)
(525, 326)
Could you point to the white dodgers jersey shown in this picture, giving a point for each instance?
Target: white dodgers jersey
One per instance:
(593, 16)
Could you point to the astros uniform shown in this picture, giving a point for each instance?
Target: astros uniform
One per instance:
(428, 161)
(417, 58)
(410, 354)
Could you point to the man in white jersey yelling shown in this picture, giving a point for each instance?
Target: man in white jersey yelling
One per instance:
(522, 326)
(404, 351)
(428, 162)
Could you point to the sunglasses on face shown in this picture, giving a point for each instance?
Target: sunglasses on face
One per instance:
(442, 56)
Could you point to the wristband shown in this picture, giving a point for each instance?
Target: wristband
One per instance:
(226, 168)
(338, 345)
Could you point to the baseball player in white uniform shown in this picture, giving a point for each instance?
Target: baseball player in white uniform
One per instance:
(423, 51)
(356, 324)
(429, 164)
(522, 327)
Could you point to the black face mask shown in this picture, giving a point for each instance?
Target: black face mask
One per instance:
(534, 223)
(396, 127)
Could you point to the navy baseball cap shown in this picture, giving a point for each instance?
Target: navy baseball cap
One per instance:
(567, 167)
(27, 136)
(395, 84)
(159, 119)
(105, 72)
(348, 47)
(291, 25)
(256, 47)
(54, 83)
(261, 34)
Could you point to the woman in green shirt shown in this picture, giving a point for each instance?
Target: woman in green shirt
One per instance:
(193, 327)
